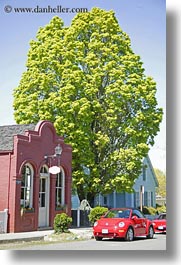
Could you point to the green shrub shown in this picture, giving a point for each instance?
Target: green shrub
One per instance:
(61, 223)
(161, 209)
(96, 213)
(149, 210)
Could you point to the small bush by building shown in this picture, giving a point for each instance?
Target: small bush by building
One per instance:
(62, 222)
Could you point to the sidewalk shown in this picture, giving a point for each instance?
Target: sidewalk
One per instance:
(40, 235)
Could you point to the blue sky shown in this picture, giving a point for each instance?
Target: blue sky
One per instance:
(144, 22)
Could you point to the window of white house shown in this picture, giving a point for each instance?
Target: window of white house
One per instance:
(60, 190)
(27, 187)
(137, 199)
(148, 198)
(105, 200)
(152, 202)
(144, 172)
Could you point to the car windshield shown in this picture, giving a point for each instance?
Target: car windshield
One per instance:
(122, 213)
(162, 216)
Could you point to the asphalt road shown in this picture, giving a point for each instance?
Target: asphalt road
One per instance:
(157, 243)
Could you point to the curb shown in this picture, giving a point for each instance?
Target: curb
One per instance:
(24, 239)
(41, 236)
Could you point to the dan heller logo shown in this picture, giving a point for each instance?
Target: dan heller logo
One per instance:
(48, 9)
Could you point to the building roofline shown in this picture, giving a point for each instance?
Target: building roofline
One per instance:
(153, 172)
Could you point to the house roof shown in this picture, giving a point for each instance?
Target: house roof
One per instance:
(8, 131)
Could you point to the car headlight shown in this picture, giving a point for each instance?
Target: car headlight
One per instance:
(121, 224)
(96, 223)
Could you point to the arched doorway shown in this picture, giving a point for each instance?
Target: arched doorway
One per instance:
(44, 194)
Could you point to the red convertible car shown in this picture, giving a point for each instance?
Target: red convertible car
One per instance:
(126, 223)
(160, 223)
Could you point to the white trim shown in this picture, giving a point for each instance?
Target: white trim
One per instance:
(31, 183)
(45, 211)
(62, 187)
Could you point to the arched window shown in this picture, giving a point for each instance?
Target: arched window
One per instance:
(44, 170)
(60, 190)
(27, 186)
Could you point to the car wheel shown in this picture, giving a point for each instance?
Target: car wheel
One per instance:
(151, 232)
(129, 234)
(98, 238)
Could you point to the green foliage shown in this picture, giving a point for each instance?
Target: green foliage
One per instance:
(61, 223)
(161, 209)
(161, 177)
(154, 211)
(149, 210)
(96, 213)
(86, 79)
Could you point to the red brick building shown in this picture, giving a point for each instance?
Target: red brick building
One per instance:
(33, 195)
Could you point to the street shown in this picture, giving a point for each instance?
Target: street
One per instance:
(157, 243)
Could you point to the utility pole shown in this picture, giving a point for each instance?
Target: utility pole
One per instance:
(141, 197)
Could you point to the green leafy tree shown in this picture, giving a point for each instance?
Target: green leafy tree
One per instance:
(162, 182)
(86, 79)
